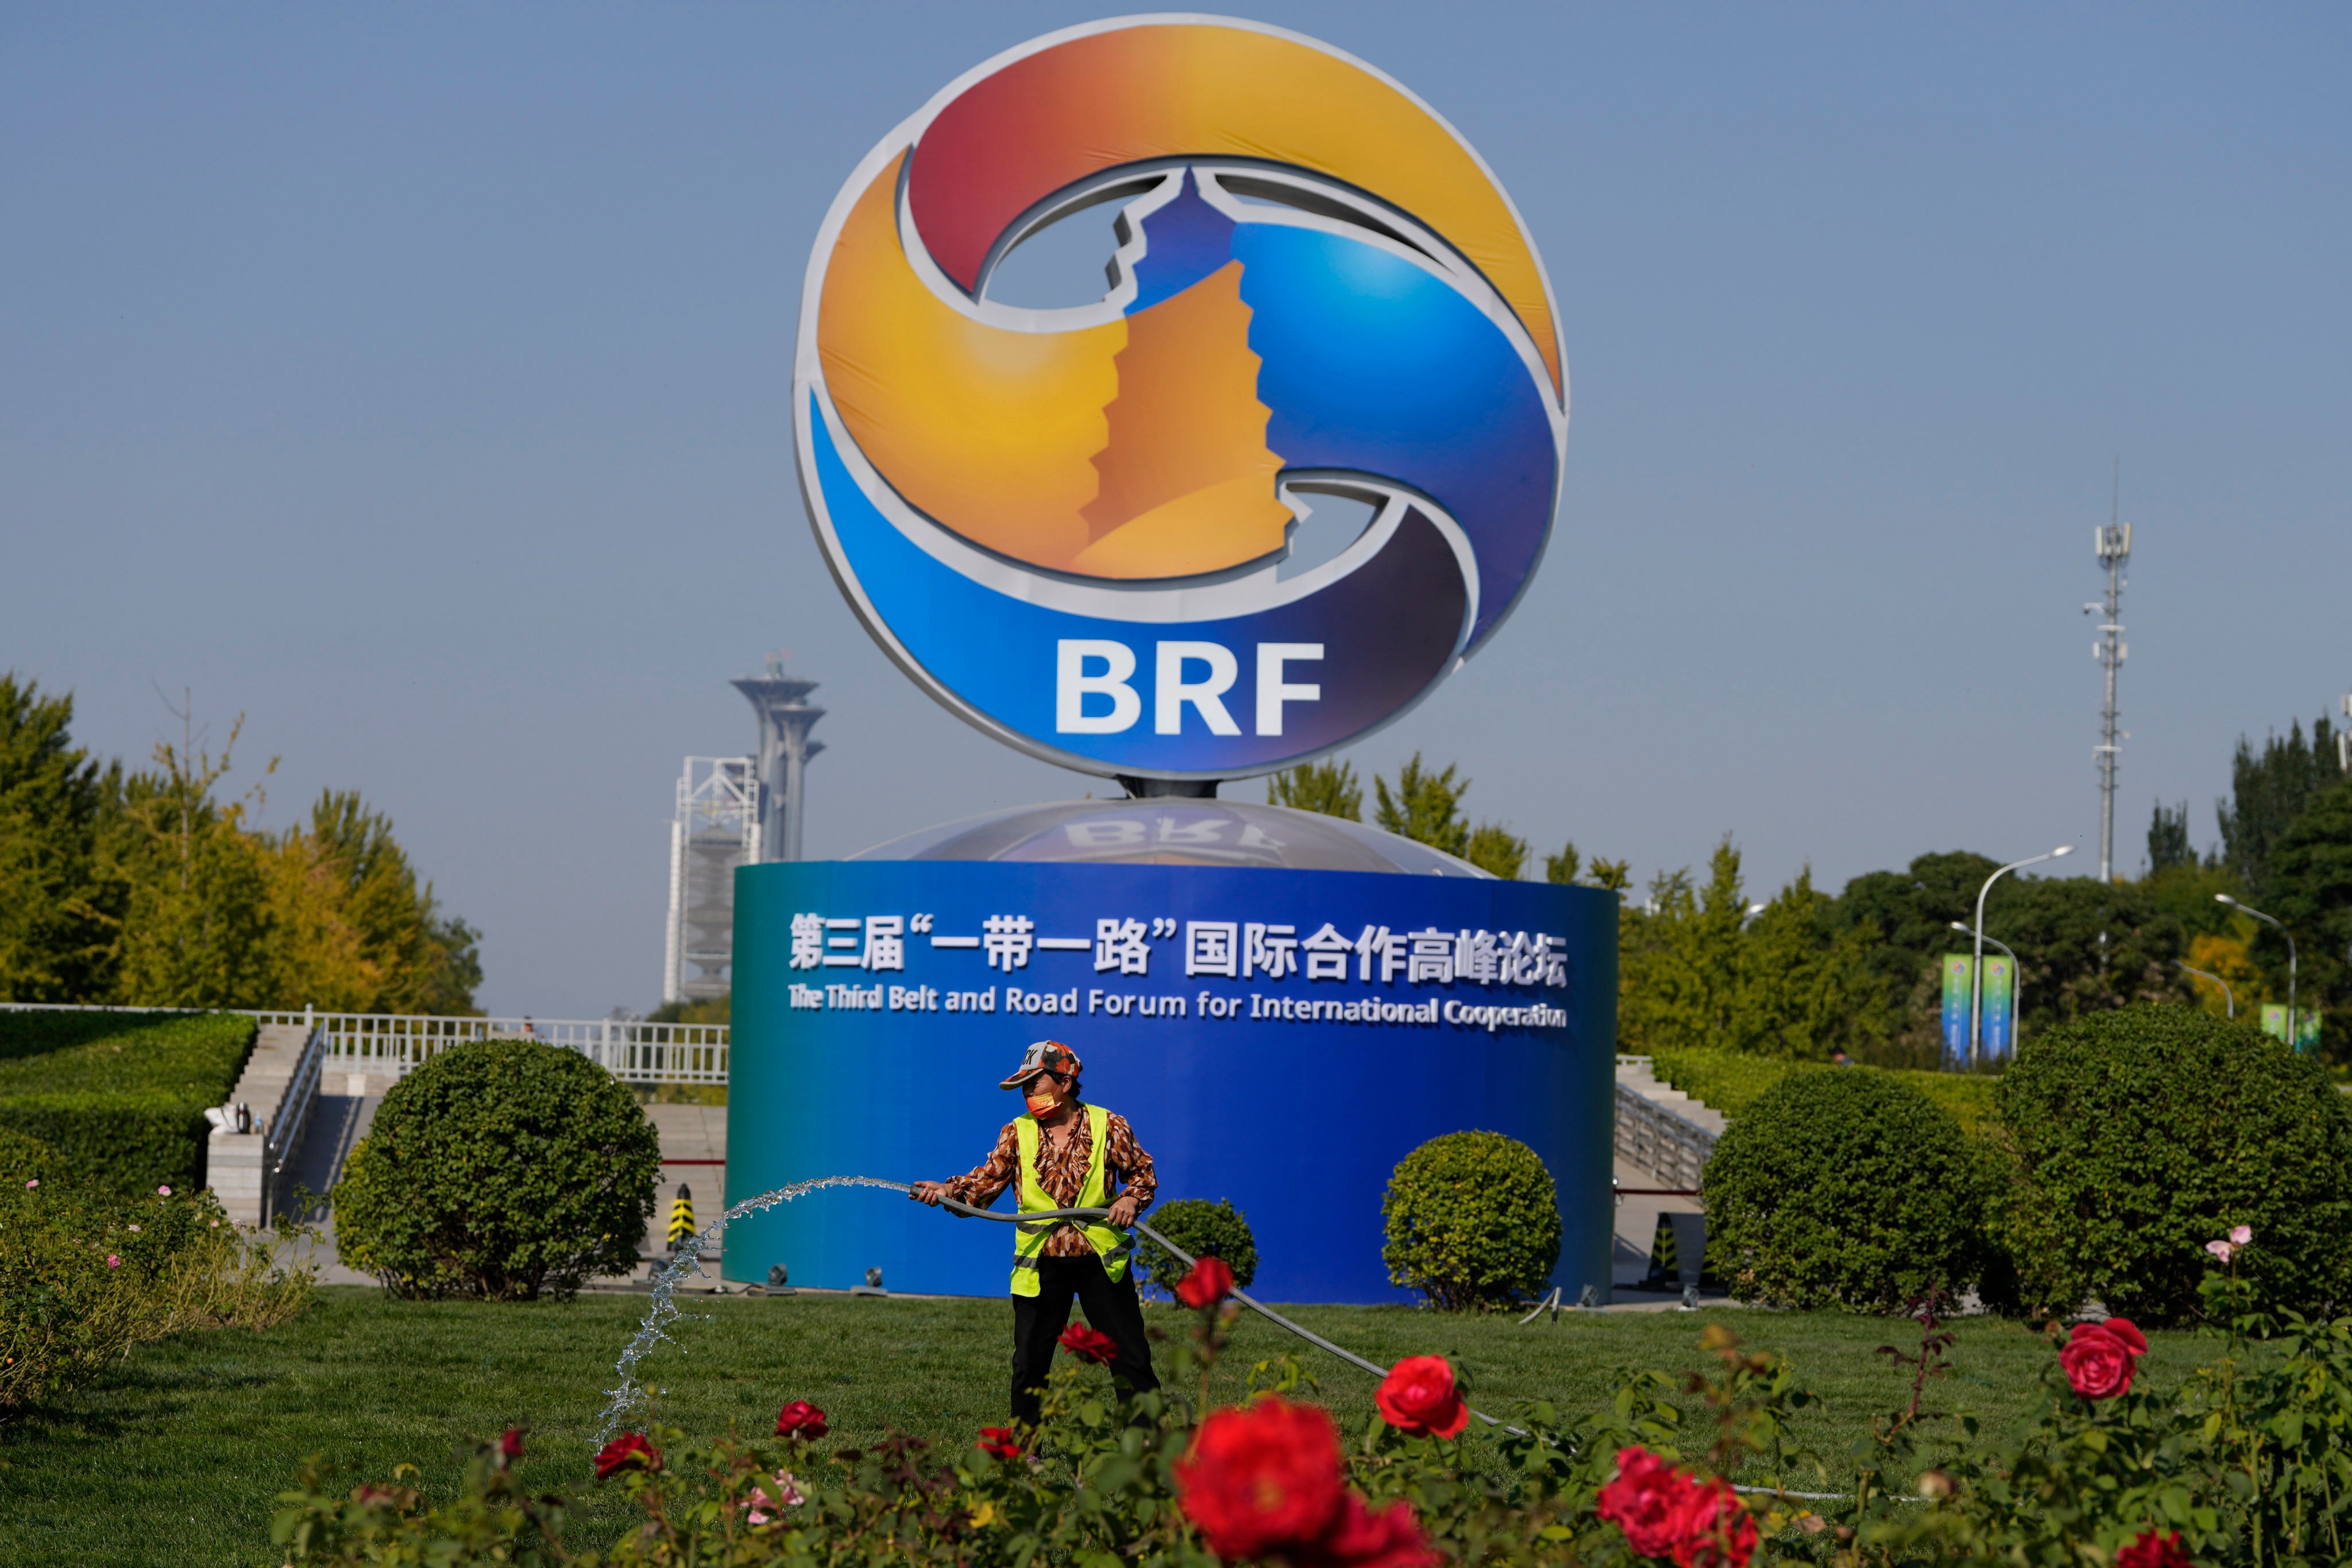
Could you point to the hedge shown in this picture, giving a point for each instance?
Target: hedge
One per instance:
(1728, 1080)
(121, 1096)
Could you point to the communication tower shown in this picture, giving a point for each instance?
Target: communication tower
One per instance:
(2113, 542)
(717, 828)
(782, 762)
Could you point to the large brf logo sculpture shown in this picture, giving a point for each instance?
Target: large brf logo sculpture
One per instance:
(1072, 525)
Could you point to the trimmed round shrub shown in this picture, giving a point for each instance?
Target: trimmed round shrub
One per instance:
(501, 1170)
(2142, 1134)
(1473, 1221)
(1846, 1188)
(1202, 1228)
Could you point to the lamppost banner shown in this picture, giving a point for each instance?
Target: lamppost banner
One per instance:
(1958, 967)
(2000, 1008)
(2306, 1033)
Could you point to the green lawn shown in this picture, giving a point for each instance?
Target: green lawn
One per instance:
(175, 1458)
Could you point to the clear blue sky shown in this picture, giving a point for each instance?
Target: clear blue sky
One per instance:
(413, 381)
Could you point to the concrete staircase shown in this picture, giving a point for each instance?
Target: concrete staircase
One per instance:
(1635, 1073)
(264, 1122)
(1662, 1129)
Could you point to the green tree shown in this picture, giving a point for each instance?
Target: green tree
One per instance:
(1425, 806)
(149, 888)
(1561, 869)
(1694, 969)
(57, 923)
(1329, 788)
(198, 922)
(356, 931)
(2311, 891)
(2268, 789)
(1495, 849)
(1615, 875)
(2167, 839)
(2080, 945)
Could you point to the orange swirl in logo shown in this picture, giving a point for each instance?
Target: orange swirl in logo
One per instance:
(1133, 446)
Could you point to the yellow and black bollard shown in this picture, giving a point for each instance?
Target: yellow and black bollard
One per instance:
(681, 1218)
(1665, 1271)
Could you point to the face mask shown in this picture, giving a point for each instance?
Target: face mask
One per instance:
(1042, 1103)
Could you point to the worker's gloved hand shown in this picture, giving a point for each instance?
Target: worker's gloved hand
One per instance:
(1122, 1213)
(928, 1192)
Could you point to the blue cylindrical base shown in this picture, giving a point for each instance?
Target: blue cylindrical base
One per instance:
(1292, 1093)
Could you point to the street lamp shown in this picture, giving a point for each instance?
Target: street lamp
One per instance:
(2249, 908)
(2228, 995)
(2016, 984)
(1976, 971)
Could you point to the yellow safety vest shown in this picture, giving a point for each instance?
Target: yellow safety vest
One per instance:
(1029, 1236)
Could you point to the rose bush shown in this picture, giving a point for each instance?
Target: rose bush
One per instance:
(86, 1273)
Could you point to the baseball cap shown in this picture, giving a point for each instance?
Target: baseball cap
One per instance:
(1043, 1056)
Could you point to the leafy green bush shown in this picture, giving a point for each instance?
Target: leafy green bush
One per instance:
(2142, 1134)
(121, 1096)
(1846, 1189)
(1728, 1080)
(85, 1273)
(1473, 1221)
(23, 1159)
(499, 1169)
(1202, 1228)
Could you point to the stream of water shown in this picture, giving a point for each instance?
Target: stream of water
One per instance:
(627, 1399)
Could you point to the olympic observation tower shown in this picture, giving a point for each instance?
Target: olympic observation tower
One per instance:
(786, 717)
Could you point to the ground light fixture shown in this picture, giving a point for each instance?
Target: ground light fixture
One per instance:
(2016, 983)
(1976, 971)
(2273, 919)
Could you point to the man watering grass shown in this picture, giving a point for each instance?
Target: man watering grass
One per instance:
(1063, 1154)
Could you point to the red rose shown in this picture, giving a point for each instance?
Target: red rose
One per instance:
(1359, 1538)
(629, 1451)
(1090, 1344)
(1418, 1398)
(2149, 1550)
(1646, 1502)
(801, 1419)
(1263, 1480)
(1207, 1283)
(510, 1445)
(2124, 1330)
(1712, 1527)
(2099, 1361)
(1000, 1442)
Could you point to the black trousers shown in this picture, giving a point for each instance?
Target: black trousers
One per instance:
(1038, 1320)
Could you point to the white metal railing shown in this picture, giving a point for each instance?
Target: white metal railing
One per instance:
(290, 1119)
(1652, 1137)
(393, 1043)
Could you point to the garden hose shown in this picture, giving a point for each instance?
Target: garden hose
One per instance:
(1188, 1260)
(1262, 1310)
(628, 1397)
